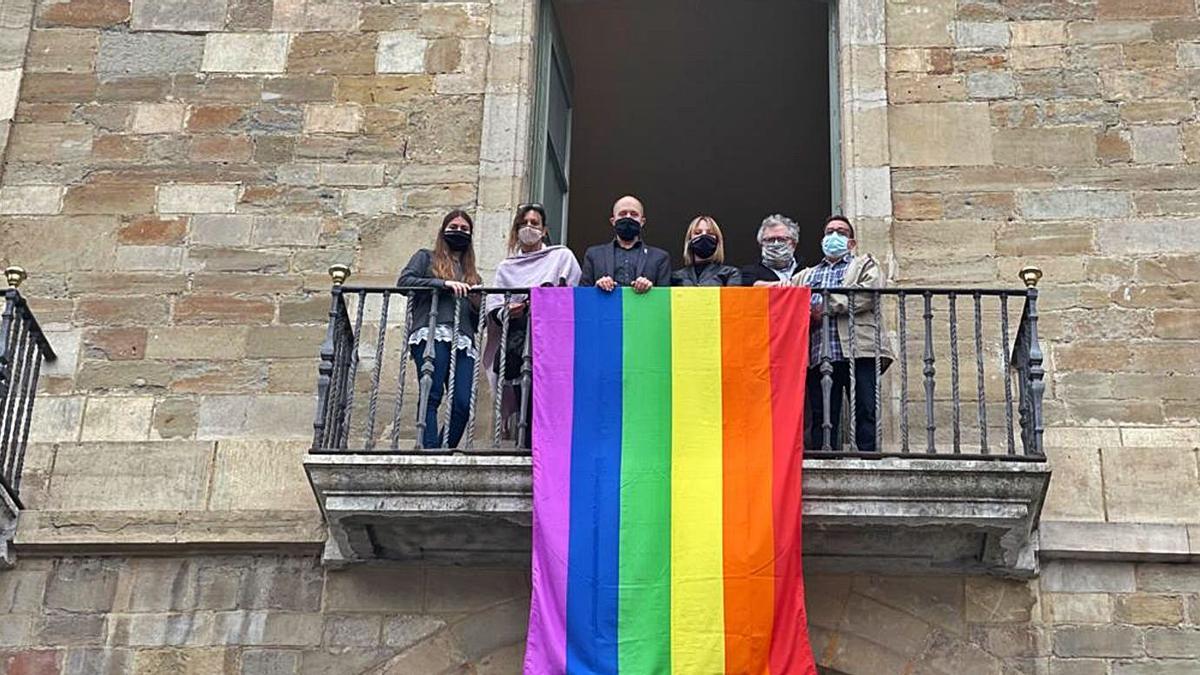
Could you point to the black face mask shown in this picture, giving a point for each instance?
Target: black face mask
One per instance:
(457, 240)
(628, 229)
(703, 247)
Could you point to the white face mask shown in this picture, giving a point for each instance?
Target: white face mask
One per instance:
(529, 235)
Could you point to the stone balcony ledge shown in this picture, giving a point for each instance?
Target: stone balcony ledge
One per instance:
(894, 515)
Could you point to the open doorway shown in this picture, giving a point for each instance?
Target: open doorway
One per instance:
(696, 106)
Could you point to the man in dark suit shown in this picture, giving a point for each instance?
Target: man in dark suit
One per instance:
(626, 260)
(778, 236)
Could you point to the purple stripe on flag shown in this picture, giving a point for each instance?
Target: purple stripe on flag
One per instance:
(553, 318)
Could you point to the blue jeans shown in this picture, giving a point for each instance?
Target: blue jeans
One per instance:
(460, 401)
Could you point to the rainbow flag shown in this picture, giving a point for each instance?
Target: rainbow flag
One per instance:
(666, 482)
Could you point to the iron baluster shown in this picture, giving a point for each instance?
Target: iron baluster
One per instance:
(373, 403)
(982, 389)
(930, 371)
(17, 372)
(1006, 365)
(448, 396)
(526, 387)
(481, 335)
(352, 375)
(826, 375)
(29, 373)
(7, 335)
(402, 379)
(498, 420)
(878, 371)
(852, 431)
(426, 381)
(1037, 374)
(325, 372)
(955, 399)
(902, 299)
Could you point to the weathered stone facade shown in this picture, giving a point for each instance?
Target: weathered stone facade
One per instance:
(178, 175)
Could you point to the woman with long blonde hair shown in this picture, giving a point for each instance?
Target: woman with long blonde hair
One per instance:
(704, 257)
(449, 269)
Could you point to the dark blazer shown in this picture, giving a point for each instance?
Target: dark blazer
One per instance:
(418, 273)
(760, 272)
(713, 275)
(600, 261)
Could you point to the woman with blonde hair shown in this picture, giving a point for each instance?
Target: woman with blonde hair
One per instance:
(449, 269)
(704, 257)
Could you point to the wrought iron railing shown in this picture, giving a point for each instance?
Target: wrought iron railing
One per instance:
(373, 396)
(23, 348)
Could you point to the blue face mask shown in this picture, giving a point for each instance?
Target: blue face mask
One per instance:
(835, 245)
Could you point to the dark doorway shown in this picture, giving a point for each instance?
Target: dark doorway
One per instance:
(698, 107)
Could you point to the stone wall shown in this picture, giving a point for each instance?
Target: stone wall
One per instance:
(279, 615)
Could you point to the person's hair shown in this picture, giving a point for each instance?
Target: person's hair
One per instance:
(719, 256)
(779, 219)
(841, 219)
(514, 243)
(443, 258)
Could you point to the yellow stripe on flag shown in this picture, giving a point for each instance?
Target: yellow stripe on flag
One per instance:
(697, 570)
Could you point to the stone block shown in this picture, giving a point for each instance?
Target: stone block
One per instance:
(1145, 609)
(1158, 485)
(261, 475)
(245, 52)
(404, 631)
(31, 199)
(1058, 146)
(365, 589)
(222, 259)
(31, 661)
(353, 630)
(56, 418)
(148, 53)
(331, 118)
(492, 628)
(1103, 32)
(1076, 493)
(1076, 608)
(118, 311)
(992, 600)
(940, 134)
(130, 476)
(83, 13)
(1163, 578)
(1154, 667)
(156, 585)
(82, 585)
(179, 16)
(213, 117)
(216, 309)
(197, 342)
(991, 85)
(149, 258)
(1143, 9)
(221, 230)
(62, 51)
(115, 198)
(117, 419)
(1108, 641)
(374, 201)
(1088, 577)
(981, 34)
(1113, 541)
(352, 174)
(1039, 33)
(1174, 643)
(335, 53)
(401, 52)
(1188, 55)
(1067, 204)
(256, 417)
(197, 198)
(270, 662)
(50, 142)
(1078, 667)
(174, 418)
(158, 118)
(1037, 58)
(1157, 145)
(1149, 237)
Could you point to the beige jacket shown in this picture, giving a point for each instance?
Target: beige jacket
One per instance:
(863, 272)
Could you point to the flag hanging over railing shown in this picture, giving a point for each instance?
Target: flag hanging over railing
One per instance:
(666, 479)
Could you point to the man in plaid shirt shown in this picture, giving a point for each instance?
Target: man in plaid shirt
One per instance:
(843, 267)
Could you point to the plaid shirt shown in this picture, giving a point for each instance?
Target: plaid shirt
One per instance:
(827, 275)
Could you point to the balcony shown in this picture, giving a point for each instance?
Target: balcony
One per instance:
(956, 485)
(23, 348)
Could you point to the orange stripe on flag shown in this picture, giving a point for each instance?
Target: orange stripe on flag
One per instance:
(748, 451)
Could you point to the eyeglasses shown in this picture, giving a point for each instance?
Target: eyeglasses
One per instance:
(532, 205)
(778, 240)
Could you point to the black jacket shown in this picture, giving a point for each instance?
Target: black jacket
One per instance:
(599, 262)
(418, 272)
(760, 272)
(711, 275)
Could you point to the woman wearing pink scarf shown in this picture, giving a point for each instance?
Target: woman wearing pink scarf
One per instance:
(530, 262)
